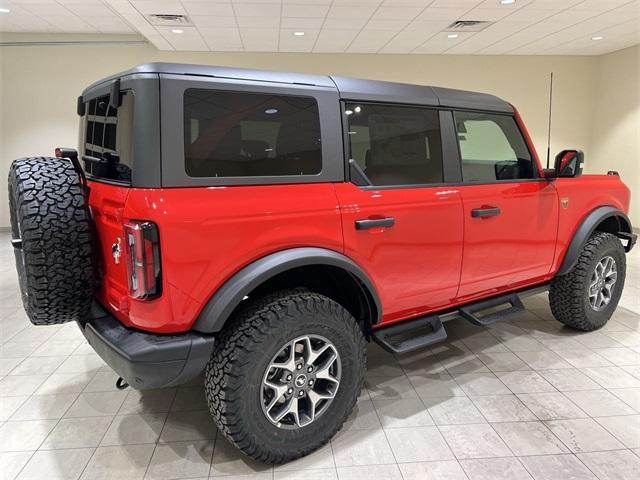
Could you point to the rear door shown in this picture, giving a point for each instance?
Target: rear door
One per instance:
(510, 214)
(405, 227)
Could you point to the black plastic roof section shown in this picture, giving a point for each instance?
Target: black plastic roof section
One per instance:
(348, 88)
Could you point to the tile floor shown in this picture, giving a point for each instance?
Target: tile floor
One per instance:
(525, 399)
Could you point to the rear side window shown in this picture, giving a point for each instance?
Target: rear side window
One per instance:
(233, 134)
(492, 148)
(395, 145)
(108, 148)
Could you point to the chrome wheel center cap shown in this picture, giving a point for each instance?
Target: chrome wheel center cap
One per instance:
(301, 380)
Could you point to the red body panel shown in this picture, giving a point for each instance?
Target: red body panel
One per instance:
(435, 257)
(206, 235)
(416, 263)
(513, 247)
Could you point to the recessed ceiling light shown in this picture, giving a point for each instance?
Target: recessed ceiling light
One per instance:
(507, 2)
(298, 34)
(452, 35)
(4, 10)
(177, 30)
(597, 37)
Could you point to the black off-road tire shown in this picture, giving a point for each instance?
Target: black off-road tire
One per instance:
(234, 374)
(54, 261)
(569, 293)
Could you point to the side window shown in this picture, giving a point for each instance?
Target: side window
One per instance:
(233, 134)
(395, 145)
(492, 148)
(106, 141)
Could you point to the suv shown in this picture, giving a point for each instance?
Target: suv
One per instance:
(262, 227)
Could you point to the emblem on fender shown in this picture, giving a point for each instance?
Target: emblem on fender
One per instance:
(564, 202)
(115, 251)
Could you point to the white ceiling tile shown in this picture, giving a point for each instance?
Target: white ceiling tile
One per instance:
(258, 9)
(334, 40)
(222, 39)
(406, 3)
(349, 11)
(306, 10)
(89, 10)
(292, 43)
(44, 9)
(301, 23)
(396, 13)
(208, 8)
(158, 6)
(189, 40)
(395, 25)
(451, 14)
(554, 5)
(260, 39)
(259, 22)
(211, 21)
(345, 23)
(370, 41)
(486, 14)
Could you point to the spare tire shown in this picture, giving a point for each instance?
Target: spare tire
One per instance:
(51, 235)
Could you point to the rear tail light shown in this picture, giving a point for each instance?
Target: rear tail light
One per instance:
(142, 251)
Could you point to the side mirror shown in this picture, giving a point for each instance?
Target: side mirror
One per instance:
(568, 163)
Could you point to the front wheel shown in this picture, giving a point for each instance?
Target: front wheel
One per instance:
(285, 375)
(586, 297)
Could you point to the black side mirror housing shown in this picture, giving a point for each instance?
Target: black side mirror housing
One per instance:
(568, 164)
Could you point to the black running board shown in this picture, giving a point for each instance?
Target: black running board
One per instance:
(410, 335)
(473, 311)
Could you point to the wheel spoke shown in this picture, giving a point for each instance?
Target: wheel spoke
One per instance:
(290, 363)
(279, 391)
(315, 398)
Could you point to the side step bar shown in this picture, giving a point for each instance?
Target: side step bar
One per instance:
(410, 335)
(470, 312)
(420, 332)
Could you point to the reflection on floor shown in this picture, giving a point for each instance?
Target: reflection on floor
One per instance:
(523, 399)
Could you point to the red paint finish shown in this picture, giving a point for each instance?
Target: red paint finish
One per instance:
(515, 246)
(206, 235)
(415, 264)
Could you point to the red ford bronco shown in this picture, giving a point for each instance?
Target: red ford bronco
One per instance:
(262, 227)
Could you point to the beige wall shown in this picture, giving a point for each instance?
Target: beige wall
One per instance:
(39, 85)
(615, 128)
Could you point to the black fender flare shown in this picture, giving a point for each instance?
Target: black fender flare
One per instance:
(586, 228)
(223, 302)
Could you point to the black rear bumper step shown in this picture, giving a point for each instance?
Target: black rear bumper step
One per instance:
(411, 334)
(470, 312)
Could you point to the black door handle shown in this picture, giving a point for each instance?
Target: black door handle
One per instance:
(375, 223)
(485, 212)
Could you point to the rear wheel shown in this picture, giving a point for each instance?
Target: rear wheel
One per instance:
(51, 235)
(586, 297)
(285, 375)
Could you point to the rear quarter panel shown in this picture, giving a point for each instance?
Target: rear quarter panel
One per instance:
(584, 194)
(209, 233)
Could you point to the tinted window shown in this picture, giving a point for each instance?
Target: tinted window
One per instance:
(492, 148)
(231, 134)
(107, 146)
(395, 145)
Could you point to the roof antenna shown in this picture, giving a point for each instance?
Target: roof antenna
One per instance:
(549, 132)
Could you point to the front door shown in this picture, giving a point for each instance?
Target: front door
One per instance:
(405, 227)
(510, 214)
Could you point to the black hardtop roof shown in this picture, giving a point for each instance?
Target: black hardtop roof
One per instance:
(349, 88)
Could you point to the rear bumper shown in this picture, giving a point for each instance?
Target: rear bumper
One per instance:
(146, 360)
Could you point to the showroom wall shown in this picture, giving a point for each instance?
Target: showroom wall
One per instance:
(615, 129)
(39, 85)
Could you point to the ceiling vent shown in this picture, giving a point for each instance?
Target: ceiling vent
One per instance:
(468, 26)
(168, 20)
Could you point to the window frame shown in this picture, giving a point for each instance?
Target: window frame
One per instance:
(536, 171)
(451, 169)
(174, 172)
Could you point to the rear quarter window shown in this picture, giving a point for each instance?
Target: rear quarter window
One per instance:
(235, 134)
(106, 138)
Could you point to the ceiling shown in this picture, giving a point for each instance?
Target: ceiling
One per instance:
(524, 27)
